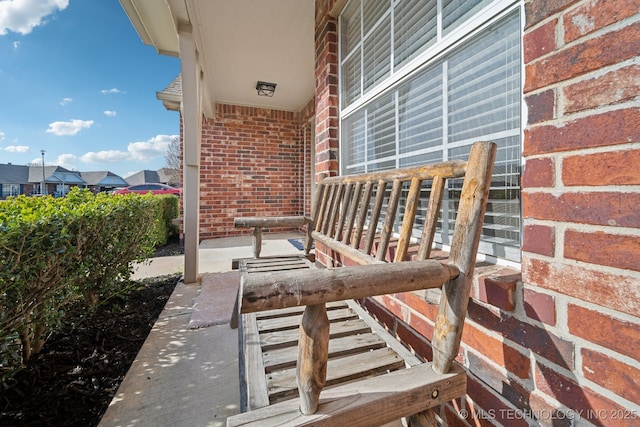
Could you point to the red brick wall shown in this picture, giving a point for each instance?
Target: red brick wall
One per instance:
(581, 248)
(252, 164)
(307, 123)
(557, 341)
(326, 99)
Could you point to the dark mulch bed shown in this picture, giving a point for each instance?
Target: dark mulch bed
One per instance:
(173, 247)
(72, 381)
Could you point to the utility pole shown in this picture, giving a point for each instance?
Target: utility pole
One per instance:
(42, 190)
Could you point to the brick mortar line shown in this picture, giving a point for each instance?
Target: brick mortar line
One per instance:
(558, 191)
(562, 121)
(587, 151)
(559, 36)
(614, 271)
(600, 72)
(609, 28)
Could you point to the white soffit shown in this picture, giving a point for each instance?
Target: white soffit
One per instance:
(239, 42)
(244, 41)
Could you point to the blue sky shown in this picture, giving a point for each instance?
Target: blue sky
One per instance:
(77, 82)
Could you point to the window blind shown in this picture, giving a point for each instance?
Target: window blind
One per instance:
(380, 129)
(456, 12)
(351, 73)
(377, 54)
(420, 119)
(415, 28)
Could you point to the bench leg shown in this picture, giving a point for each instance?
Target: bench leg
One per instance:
(308, 241)
(257, 241)
(423, 419)
(233, 323)
(313, 353)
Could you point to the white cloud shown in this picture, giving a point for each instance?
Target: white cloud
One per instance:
(143, 151)
(66, 101)
(16, 45)
(67, 161)
(1, 135)
(150, 149)
(109, 156)
(110, 113)
(17, 149)
(112, 90)
(22, 16)
(69, 128)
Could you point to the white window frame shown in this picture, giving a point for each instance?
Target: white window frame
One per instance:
(444, 45)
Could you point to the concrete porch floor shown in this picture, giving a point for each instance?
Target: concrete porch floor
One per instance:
(181, 376)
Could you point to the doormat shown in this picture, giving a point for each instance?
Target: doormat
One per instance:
(217, 297)
(299, 244)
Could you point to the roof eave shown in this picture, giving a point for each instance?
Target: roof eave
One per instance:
(170, 101)
(153, 21)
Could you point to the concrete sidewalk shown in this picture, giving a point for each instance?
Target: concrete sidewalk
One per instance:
(181, 376)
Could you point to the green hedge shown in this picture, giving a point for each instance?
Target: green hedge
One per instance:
(57, 251)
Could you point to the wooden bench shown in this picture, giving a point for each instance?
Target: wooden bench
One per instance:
(258, 223)
(300, 329)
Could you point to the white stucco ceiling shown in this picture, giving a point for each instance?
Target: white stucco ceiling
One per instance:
(239, 42)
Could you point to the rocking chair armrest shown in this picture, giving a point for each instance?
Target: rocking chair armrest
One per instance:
(275, 290)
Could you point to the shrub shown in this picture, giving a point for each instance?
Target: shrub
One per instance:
(169, 210)
(110, 233)
(57, 251)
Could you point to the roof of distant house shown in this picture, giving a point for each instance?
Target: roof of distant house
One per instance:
(14, 174)
(162, 176)
(20, 174)
(104, 179)
(143, 177)
(56, 174)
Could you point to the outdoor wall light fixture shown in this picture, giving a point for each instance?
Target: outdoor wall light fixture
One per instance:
(265, 88)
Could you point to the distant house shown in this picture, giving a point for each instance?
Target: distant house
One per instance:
(162, 176)
(103, 181)
(14, 180)
(18, 179)
(58, 180)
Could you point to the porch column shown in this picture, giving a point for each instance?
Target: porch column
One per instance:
(192, 124)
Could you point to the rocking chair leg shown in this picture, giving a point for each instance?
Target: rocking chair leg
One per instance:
(313, 353)
(257, 242)
(423, 419)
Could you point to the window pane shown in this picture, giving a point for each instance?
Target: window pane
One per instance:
(351, 79)
(350, 28)
(420, 112)
(484, 104)
(372, 12)
(456, 12)
(377, 54)
(501, 229)
(415, 28)
(419, 159)
(381, 141)
(353, 155)
(484, 84)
